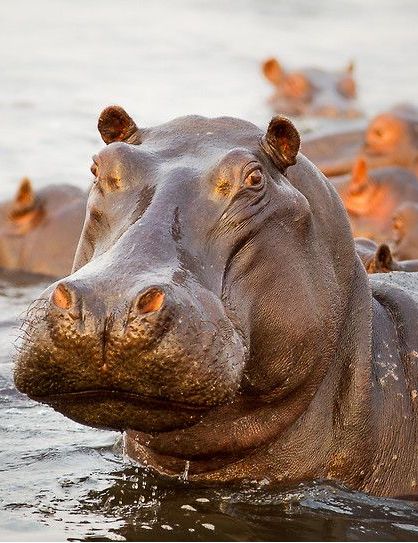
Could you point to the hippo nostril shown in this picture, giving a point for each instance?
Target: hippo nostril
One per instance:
(150, 300)
(62, 297)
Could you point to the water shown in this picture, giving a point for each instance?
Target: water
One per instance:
(61, 63)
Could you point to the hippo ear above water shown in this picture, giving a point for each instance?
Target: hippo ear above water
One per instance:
(25, 196)
(383, 259)
(116, 125)
(282, 142)
(273, 71)
(359, 176)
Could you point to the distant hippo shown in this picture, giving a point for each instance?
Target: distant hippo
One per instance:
(219, 313)
(371, 198)
(392, 139)
(379, 258)
(405, 231)
(39, 231)
(312, 91)
(334, 151)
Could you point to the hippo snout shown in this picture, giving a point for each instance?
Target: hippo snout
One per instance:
(158, 347)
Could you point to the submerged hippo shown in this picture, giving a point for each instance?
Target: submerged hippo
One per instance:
(312, 91)
(379, 258)
(392, 139)
(334, 151)
(219, 313)
(405, 231)
(371, 197)
(39, 231)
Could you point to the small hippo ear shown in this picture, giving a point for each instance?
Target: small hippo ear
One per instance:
(359, 176)
(273, 71)
(25, 196)
(282, 142)
(383, 260)
(116, 125)
(350, 67)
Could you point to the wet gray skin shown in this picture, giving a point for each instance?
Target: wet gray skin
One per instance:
(313, 91)
(218, 312)
(39, 230)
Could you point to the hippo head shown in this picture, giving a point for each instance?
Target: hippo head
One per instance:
(313, 91)
(392, 139)
(375, 258)
(405, 231)
(23, 212)
(54, 213)
(371, 197)
(211, 281)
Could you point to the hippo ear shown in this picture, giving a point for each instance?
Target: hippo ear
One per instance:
(281, 142)
(359, 176)
(273, 71)
(383, 260)
(116, 125)
(350, 67)
(25, 196)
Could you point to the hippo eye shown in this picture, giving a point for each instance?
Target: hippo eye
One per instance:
(255, 179)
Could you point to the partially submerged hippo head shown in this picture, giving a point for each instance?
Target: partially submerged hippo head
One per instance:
(167, 314)
(379, 258)
(39, 230)
(405, 231)
(371, 197)
(217, 311)
(312, 91)
(392, 139)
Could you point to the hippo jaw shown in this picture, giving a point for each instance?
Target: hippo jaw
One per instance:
(114, 409)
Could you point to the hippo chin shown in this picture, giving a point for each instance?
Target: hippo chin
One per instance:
(219, 314)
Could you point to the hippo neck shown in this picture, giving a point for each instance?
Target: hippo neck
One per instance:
(337, 411)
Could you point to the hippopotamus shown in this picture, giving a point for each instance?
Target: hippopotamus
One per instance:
(379, 258)
(219, 315)
(312, 91)
(39, 230)
(371, 197)
(405, 231)
(334, 151)
(392, 139)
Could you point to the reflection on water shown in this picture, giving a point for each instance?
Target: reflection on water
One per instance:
(61, 62)
(102, 500)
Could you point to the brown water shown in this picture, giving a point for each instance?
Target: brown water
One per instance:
(61, 62)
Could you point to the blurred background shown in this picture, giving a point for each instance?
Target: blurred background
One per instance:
(61, 62)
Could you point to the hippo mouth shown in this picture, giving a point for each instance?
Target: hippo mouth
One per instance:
(120, 410)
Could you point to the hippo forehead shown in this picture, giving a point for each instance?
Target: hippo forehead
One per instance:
(199, 138)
